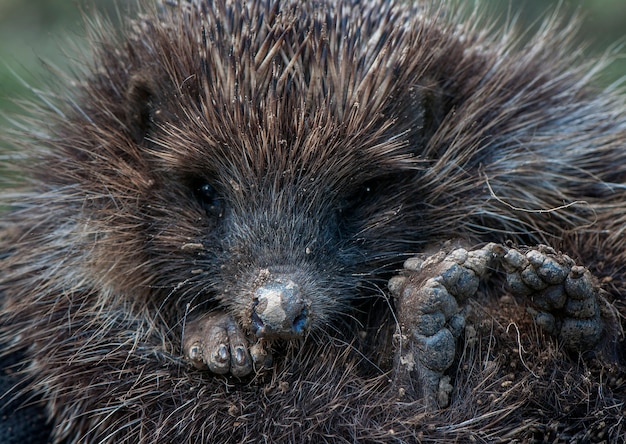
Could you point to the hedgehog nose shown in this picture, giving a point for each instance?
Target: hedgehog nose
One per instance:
(279, 310)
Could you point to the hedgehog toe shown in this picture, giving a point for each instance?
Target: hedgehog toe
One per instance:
(216, 342)
(565, 300)
(430, 297)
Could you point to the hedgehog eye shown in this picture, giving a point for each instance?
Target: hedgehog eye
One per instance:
(209, 199)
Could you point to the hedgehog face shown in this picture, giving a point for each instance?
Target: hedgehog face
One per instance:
(258, 191)
(284, 244)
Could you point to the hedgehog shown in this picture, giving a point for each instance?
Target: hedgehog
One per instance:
(331, 221)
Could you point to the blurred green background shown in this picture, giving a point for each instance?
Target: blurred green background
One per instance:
(33, 30)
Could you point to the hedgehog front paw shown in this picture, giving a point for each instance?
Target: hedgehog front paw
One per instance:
(216, 342)
(430, 294)
(565, 296)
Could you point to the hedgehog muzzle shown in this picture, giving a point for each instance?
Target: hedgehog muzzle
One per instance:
(280, 310)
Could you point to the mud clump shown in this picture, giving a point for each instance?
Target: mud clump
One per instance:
(345, 221)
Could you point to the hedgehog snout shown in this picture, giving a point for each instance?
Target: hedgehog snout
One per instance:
(279, 310)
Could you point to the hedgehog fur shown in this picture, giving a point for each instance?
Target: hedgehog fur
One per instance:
(210, 144)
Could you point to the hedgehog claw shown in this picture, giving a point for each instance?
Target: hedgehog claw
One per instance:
(430, 296)
(216, 342)
(431, 291)
(566, 300)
